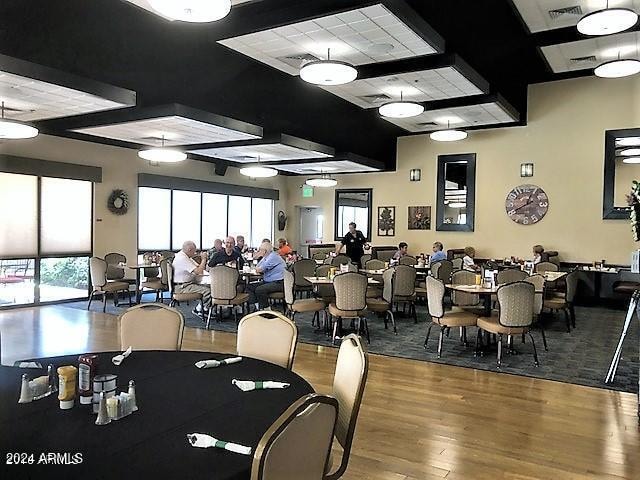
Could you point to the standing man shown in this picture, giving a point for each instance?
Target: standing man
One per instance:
(185, 271)
(229, 255)
(272, 267)
(355, 244)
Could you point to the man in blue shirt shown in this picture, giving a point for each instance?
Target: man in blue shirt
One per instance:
(272, 267)
(438, 255)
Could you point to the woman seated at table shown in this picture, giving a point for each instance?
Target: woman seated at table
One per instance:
(402, 251)
(283, 247)
(229, 255)
(467, 261)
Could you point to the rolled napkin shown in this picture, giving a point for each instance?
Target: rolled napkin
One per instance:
(117, 360)
(248, 385)
(200, 440)
(217, 363)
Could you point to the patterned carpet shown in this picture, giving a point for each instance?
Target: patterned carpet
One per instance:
(581, 357)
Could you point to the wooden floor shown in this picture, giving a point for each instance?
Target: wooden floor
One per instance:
(419, 420)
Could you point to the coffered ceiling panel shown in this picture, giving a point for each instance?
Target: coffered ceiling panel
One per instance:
(461, 117)
(591, 52)
(266, 153)
(365, 35)
(332, 167)
(540, 15)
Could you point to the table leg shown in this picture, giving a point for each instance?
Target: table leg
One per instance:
(597, 285)
(487, 306)
(138, 291)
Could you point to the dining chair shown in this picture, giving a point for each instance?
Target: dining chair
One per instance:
(374, 264)
(325, 292)
(463, 300)
(408, 260)
(114, 270)
(365, 258)
(224, 292)
(538, 302)
(177, 297)
(543, 267)
(339, 260)
(456, 263)
(511, 275)
(404, 289)
(445, 320)
(298, 444)
(158, 284)
(442, 270)
(294, 305)
(565, 304)
(98, 273)
(514, 317)
(384, 304)
(351, 301)
(303, 268)
(350, 378)
(152, 326)
(268, 336)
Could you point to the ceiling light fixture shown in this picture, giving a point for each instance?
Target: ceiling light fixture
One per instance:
(195, 11)
(162, 154)
(617, 68)
(15, 130)
(324, 181)
(607, 21)
(258, 171)
(448, 135)
(401, 109)
(632, 160)
(328, 72)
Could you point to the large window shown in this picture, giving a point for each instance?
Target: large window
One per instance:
(166, 218)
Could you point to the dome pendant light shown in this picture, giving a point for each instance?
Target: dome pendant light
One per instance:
(617, 68)
(323, 181)
(194, 11)
(162, 154)
(258, 171)
(607, 21)
(328, 72)
(448, 135)
(15, 130)
(401, 109)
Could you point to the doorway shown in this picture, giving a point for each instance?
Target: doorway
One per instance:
(311, 228)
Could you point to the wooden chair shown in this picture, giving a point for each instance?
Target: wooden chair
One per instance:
(98, 272)
(268, 336)
(294, 305)
(351, 301)
(224, 292)
(151, 327)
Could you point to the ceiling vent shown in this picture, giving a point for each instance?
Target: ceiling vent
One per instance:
(298, 60)
(559, 13)
(375, 98)
(428, 124)
(153, 139)
(581, 60)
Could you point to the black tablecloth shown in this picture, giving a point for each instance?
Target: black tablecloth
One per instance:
(174, 398)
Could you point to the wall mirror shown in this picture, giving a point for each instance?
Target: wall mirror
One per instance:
(621, 167)
(353, 205)
(455, 206)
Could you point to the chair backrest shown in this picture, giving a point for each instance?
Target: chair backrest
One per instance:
(571, 281)
(152, 326)
(170, 272)
(319, 256)
(384, 253)
(320, 250)
(298, 444)
(98, 271)
(324, 290)
(303, 268)
(464, 299)
(538, 283)
(546, 267)
(349, 381)
(351, 291)
(165, 263)
(289, 284)
(456, 263)
(516, 304)
(114, 271)
(150, 272)
(268, 336)
(408, 260)
(169, 255)
(352, 267)
(115, 258)
(511, 275)
(365, 258)
(443, 270)
(374, 264)
(404, 283)
(387, 284)
(340, 259)
(435, 297)
(224, 280)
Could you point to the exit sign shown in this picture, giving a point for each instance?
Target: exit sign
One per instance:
(307, 191)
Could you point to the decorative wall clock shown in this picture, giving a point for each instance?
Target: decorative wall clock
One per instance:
(527, 204)
(118, 202)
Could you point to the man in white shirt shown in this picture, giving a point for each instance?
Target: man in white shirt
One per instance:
(185, 271)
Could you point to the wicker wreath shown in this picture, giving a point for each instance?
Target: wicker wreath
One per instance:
(118, 202)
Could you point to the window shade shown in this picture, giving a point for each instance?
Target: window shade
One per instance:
(18, 215)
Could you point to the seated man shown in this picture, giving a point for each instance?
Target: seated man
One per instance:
(438, 255)
(272, 267)
(240, 245)
(229, 255)
(185, 270)
(217, 247)
(283, 247)
(402, 251)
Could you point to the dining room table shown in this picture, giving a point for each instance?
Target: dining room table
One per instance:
(138, 268)
(484, 291)
(174, 399)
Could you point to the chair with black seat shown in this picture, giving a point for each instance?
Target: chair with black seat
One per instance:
(565, 303)
(294, 305)
(224, 292)
(408, 260)
(268, 336)
(298, 444)
(384, 303)
(303, 268)
(445, 320)
(514, 317)
(351, 301)
(538, 282)
(404, 288)
(511, 275)
(115, 271)
(98, 272)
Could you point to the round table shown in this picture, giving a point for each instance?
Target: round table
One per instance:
(174, 398)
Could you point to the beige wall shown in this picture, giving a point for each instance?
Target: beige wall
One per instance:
(564, 139)
(120, 168)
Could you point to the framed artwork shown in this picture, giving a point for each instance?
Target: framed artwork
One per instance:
(386, 221)
(419, 218)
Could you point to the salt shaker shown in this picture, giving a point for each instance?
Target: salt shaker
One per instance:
(132, 395)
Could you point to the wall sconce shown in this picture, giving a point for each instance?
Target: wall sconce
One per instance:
(414, 175)
(526, 169)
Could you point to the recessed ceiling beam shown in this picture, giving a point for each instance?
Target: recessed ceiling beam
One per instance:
(566, 35)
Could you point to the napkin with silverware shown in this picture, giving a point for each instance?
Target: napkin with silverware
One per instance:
(117, 360)
(217, 363)
(200, 440)
(248, 385)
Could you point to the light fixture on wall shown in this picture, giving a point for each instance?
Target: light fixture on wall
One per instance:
(607, 21)
(15, 130)
(448, 135)
(323, 181)
(258, 171)
(632, 160)
(401, 109)
(526, 169)
(415, 175)
(195, 11)
(328, 72)
(162, 154)
(617, 68)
